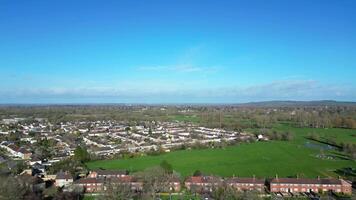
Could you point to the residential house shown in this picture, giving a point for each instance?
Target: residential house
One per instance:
(202, 183)
(295, 185)
(38, 169)
(108, 174)
(93, 185)
(16, 151)
(246, 184)
(63, 179)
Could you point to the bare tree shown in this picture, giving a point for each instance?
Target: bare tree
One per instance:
(155, 180)
(117, 191)
(12, 188)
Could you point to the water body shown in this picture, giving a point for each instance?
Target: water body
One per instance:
(319, 146)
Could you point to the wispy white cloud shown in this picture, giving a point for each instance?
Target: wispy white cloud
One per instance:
(178, 68)
(184, 63)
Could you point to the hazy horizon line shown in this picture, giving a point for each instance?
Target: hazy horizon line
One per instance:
(177, 103)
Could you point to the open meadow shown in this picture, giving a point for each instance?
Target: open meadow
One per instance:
(263, 159)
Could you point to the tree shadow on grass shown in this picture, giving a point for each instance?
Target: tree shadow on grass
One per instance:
(348, 172)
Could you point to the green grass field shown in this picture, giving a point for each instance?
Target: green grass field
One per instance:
(338, 134)
(87, 197)
(263, 159)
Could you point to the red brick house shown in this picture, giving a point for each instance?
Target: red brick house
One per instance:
(202, 183)
(246, 184)
(295, 185)
(108, 174)
(92, 185)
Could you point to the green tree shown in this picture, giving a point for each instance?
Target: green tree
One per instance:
(197, 173)
(18, 167)
(167, 167)
(50, 192)
(81, 154)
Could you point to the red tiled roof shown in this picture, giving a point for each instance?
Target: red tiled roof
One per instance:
(245, 180)
(89, 180)
(13, 147)
(195, 179)
(203, 179)
(125, 179)
(24, 151)
(306, 181)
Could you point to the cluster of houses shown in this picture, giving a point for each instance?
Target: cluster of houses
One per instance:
(15, 151)
(275, 185)
(110, 137)
(107, 137)
(97, 182)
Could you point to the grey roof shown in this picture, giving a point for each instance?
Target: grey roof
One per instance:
(2, 159)
(63, 175)
(38, 166)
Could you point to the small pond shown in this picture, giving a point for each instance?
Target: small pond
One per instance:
(319, 146)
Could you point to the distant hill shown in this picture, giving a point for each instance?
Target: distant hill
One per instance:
(297, 103)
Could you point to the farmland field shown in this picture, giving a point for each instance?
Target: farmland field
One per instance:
(263, 159)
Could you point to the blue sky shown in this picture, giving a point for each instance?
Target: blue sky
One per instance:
(184, 51)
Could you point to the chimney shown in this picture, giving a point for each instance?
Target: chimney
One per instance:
(318, 177)
(277, 176)
(254, 177)
(297, 176)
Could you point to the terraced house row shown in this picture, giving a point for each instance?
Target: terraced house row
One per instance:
(98, 180)
(294, 185)
(276, 185)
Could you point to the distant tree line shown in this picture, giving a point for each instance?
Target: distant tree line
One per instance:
(227, 117)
